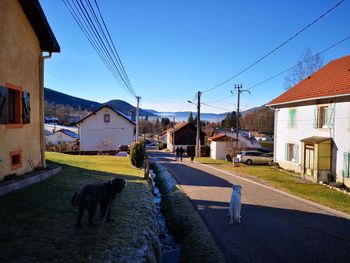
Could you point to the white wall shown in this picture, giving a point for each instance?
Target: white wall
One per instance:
(218, 150)
(305, 128)
(57, 137)
(93, 131)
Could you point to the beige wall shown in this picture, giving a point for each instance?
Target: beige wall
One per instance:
(19, 65)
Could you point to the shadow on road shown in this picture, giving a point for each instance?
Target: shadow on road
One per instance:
(269, 234)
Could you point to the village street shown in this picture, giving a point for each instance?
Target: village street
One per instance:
(275, 227)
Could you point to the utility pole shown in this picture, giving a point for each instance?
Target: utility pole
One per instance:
(137, 119)
(174, 133)
(239, 91)
(198, 138)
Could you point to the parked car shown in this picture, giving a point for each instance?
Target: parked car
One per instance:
(152, 145)
(254, 157)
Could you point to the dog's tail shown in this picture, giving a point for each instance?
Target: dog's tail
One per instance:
(75, 199)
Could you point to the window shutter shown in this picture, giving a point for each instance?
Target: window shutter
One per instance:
(316, 117)
(3, 105)
(296, 153)
(331, 116)
(286, 152)
(26, 107)
(346, 165)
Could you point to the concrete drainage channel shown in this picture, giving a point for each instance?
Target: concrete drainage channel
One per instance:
(170, 251)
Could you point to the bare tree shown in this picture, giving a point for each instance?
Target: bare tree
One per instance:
(307, 64)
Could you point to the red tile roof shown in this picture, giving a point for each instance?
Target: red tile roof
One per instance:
(330, 81)
(221, 137)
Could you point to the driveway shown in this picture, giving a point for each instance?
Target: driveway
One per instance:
(275, 227)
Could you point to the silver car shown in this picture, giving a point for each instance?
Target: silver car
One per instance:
(254, 157)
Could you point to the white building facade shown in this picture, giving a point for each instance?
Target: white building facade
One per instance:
(312, 125)
(105, 130)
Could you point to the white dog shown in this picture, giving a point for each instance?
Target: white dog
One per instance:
(235, 205)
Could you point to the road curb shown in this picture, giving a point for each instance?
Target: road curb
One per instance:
(314, 204)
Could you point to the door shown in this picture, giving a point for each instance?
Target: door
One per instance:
(309, 160)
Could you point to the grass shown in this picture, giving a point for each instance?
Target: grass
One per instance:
(183, 220)
(38, 222)
(286, 182)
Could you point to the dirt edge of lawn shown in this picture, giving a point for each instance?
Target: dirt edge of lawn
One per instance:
(183, 220)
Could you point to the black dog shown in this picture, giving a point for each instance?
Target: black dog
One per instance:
(93, 194)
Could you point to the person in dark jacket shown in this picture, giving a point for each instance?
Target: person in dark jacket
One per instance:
(181, 152)
(177, 152)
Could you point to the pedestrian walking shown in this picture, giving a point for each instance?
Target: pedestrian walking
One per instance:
(177, 153)
(181, 152)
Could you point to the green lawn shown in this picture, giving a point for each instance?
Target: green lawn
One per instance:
(38, 222)
(284, 181)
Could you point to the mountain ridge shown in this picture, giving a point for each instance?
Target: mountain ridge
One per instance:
(59, 98)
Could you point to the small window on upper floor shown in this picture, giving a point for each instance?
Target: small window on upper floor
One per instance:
(292, 118)
(324, 116)
(107, 118)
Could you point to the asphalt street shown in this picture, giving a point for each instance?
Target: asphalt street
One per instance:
(274, 228)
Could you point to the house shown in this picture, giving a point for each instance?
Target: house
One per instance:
(62, 136)
(105, 130)
(312, 124)
(220, 146)
(185, 134)
(24, 35)
(223, 141)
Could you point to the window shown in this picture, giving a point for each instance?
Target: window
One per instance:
(14, 98)
(107, 118)
(14, 106)
(292, 120)
(292, 152)
(346, 165)
(15, 159)
(324, 116)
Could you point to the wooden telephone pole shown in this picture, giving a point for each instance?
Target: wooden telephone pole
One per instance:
(198, 138)
(239, 89)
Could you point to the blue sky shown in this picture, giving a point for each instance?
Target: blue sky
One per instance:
(172, 49)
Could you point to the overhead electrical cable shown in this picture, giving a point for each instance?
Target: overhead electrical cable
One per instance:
(94, 28)
(286, 70)
(276, 48)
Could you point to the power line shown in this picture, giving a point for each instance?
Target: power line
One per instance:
(276, 48)
(286, 70)
(97, 33)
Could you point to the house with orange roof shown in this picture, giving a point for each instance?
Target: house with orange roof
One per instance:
(312, 124)
(183, 134)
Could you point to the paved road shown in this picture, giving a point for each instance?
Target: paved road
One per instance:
(275, 227)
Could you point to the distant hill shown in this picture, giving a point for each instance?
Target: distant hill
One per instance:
(59, 98)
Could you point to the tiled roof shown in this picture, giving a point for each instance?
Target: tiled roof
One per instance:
(218, 137)
(178, 126)
(330, 81)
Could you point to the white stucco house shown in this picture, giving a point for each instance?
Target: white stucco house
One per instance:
(312, 124)
(61, 136)
(105, 129)
(221, 143)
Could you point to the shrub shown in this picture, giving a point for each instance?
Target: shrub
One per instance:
(137, 154)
